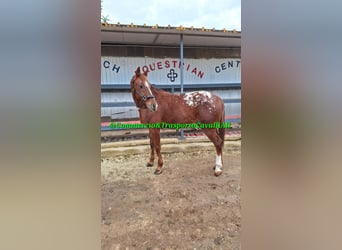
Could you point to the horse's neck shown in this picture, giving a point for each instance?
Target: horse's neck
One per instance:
(160, 94)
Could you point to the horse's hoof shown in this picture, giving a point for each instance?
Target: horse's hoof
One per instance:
(158, 172)
(149, 164)
(218, 173)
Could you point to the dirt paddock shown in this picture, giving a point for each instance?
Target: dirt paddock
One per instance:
(186, 207)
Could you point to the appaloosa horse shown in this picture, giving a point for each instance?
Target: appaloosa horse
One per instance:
(157, 106)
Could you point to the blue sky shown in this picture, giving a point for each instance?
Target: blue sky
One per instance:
(208, 13)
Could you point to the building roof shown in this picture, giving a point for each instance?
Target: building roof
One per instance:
(118, 34)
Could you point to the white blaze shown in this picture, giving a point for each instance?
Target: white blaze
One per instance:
(148, 87)
(218, 167)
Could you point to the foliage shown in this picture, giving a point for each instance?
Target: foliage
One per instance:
(104, 19)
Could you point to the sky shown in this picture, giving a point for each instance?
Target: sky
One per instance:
(208, 13)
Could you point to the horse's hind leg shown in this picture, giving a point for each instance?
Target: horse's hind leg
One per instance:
(213, 135)
(152, 145)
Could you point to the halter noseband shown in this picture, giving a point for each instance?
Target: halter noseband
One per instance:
(144, 97)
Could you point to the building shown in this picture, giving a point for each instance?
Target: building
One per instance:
(211, 62)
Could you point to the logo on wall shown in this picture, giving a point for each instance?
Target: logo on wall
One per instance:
(172, 75)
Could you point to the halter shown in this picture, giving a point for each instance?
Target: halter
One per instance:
(144, 98)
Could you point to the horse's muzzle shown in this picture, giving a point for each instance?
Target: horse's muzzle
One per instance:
(152, 105)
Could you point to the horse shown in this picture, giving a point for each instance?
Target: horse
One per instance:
(158, 106)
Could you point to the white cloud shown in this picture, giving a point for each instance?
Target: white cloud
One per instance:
(215, 13)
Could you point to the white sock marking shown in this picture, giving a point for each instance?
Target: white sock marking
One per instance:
(218, 167)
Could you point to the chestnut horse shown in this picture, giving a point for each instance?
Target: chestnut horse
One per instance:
(157, 106)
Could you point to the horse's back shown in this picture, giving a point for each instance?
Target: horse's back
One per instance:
(206, 106)
(196, 106)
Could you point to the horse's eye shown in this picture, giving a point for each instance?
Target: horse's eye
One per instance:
(141, 86)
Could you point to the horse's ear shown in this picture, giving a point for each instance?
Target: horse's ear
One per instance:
(145, 73)
(137, 72)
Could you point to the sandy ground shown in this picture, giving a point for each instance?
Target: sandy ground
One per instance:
(186, 207)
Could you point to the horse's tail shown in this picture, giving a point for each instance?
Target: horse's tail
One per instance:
(222, 130)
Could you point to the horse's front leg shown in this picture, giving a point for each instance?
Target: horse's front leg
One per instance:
(152, 145)
(158, 149)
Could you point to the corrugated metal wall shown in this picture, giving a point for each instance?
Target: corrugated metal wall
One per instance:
(119, 70)
(120, 105)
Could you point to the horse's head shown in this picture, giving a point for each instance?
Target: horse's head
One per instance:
(141, 92)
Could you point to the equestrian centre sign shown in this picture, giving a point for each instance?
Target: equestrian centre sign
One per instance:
(119, 70)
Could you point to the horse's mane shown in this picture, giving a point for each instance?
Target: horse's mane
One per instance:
(156, 91)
